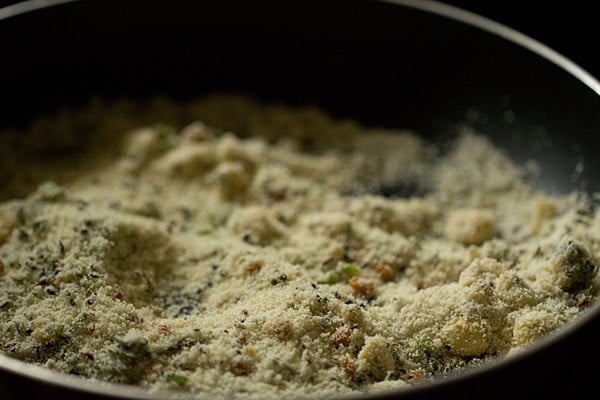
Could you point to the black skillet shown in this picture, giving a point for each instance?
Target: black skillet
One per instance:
(402, 64)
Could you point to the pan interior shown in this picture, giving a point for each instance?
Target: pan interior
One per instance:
(371, 66)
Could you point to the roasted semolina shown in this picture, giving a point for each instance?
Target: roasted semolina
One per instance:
(231, 246)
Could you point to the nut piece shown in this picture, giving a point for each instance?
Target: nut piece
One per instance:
(8, 221)
(375, 358)
(544, 210)
(196, 132)
(465, 338)
(471, 226)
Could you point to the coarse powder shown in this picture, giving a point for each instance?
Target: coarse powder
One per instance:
(229, 246)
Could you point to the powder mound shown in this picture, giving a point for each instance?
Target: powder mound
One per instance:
(234, 248)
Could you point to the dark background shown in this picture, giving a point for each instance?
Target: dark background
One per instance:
(569, 28)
